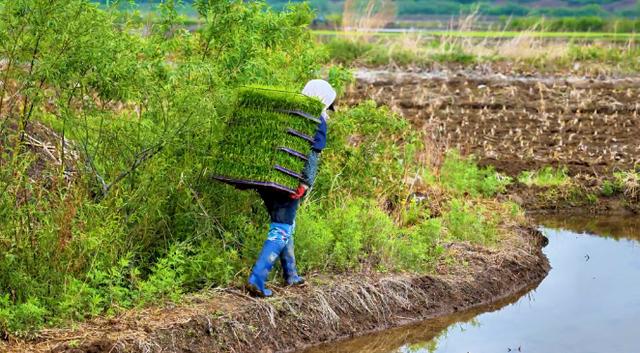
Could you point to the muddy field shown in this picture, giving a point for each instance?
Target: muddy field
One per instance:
(517, 122)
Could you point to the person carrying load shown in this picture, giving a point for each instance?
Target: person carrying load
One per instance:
(282, 207)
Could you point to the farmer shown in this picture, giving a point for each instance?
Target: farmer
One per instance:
(282, 207)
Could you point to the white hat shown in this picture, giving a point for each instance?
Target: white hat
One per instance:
(322, 90)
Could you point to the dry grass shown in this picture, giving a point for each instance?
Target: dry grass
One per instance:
(630, 182)
(367, 15)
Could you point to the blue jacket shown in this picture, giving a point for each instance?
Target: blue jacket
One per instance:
(281, 208)
(320, 137)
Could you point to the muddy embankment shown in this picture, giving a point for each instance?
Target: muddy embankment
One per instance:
(327, 310)
(522, 123)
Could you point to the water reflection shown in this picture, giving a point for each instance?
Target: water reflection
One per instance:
(617, 227)
(590, 302)
(417, 337)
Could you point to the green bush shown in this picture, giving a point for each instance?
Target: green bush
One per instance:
(469, 223)
(362, 141)
(21, 319)
(144, 106)
(464, 175)
(418, 247)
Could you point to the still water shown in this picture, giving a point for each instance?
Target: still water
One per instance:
(589, 302)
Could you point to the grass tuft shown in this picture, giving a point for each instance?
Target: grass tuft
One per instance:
(545, 177)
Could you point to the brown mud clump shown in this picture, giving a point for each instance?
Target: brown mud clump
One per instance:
(325, 310)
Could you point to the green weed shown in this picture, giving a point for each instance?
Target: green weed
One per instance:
(545, 177)
(463, 175)
(469, 223)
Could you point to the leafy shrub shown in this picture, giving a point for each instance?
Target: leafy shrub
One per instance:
(418, 247)
(23, 318)
(464, 175)
(469, 223)
(362, 141)
(139, 221)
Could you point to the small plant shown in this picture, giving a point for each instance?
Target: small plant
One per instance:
(629, 183)
(468, 222)
(545, 177)
(609, 188)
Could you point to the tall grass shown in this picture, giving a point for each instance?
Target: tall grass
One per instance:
(461, 44)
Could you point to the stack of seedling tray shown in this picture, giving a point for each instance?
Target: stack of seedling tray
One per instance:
(268, 139)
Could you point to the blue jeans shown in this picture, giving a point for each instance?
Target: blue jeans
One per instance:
(281, 208)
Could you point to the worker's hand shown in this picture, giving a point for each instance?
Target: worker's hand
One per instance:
(300, 191)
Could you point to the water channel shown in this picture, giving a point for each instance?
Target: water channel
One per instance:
(589, 302)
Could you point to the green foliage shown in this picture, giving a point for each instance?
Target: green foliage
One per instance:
(468, 222)
(463, 175)
(363, 140)
(418, 247)
(340, 77)
(166, 278)
(362, 233)
(23, 318)
(359, 235)
(545, 177)
(133, 219)
(138, 221)
(610, 188)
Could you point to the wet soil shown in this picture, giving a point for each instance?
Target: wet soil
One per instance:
(326, 310)
(517, 122)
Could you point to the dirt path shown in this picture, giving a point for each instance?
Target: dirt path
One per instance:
(342, 307)
(518, 122)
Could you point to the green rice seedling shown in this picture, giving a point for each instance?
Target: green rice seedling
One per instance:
(268, 137)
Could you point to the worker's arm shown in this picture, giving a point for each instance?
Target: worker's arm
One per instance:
(311, 166)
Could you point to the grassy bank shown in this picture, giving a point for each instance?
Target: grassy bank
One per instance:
(522, 50)
(110, 124)
(550, 189)
(568, 35)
